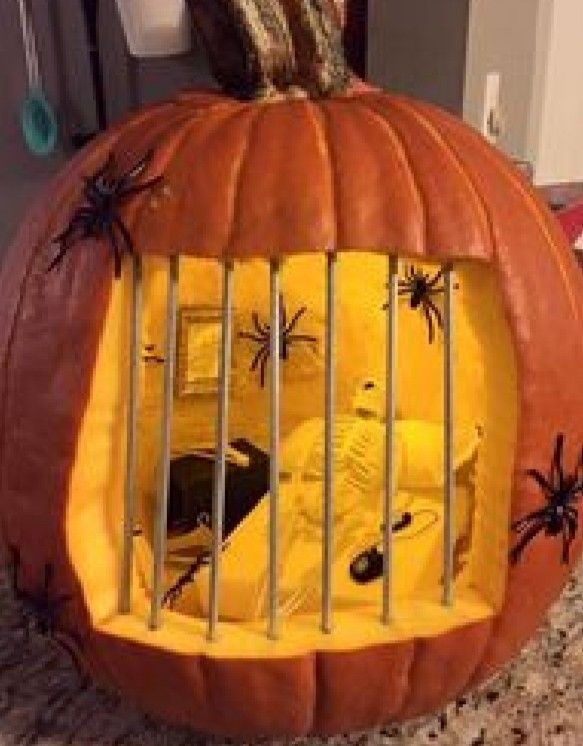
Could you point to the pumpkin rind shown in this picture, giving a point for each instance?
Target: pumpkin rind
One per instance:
(219, 157)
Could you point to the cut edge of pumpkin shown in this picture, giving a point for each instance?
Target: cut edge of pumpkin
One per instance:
(99, 471)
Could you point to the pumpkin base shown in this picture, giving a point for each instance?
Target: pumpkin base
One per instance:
(353, 630)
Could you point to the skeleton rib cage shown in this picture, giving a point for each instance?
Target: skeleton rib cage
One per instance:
(326, 468)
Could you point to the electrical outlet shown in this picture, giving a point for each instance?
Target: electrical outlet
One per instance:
(492, 121)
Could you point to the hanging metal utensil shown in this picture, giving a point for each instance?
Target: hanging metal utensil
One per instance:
(38, 120)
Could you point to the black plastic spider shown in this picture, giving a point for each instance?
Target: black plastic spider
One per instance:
(174, 593)
(98, 215)
(368, 565)
(558, 516)
(418, 287)
(262, 336)
(43, 611)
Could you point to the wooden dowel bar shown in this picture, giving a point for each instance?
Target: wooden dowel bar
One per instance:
(161, 514)
(125, 591)
(390, 439)
(328, 496)
(274, 435)
(222, 441)
(449, 477)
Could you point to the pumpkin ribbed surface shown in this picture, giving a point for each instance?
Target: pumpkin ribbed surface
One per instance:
(364, 172)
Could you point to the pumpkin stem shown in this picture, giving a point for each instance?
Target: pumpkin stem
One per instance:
(248, 43)
(259, 48)
(316, 30)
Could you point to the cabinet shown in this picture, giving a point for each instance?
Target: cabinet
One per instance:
(418, 48)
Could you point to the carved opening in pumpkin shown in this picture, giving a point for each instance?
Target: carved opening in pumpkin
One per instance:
(485, 432)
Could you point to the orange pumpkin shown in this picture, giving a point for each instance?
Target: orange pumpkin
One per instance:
(356, 170)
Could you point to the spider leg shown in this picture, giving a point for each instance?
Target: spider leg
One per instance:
(433, 282)
(131, 191)
(115, 250)
(118, 222)
(436, 312)
(517, 550)
(540, 480)
(90, 190)
(557, 476)
(103, 169)
(572, 520)
(289, 340)
(59, 256)
(568, 536)
(523, 523)
(429, 323)
(282, 312)
(573, 515)
(293, 323)
(81, 213)
(263, 330)
(252, 337)
(264, 359)
(79, 220)
(174, 593)
(262, 351)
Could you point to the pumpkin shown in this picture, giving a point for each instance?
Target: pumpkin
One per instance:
(297, 160)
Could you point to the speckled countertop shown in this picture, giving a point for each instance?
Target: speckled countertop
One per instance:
(538, 699)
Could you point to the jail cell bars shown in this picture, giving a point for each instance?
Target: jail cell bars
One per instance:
(218, 514)
(274, 426)
(222, 440)
(161, 514)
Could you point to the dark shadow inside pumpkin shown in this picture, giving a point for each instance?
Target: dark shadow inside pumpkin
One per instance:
(485, 419)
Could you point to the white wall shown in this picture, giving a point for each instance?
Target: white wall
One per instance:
(502, 38)
(536, 45)
(556, 135)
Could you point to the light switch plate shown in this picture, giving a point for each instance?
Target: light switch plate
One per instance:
(492, 121)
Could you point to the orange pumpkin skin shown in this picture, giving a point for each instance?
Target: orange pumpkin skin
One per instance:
(369, 171)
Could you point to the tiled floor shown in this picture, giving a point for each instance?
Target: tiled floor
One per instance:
(537, 700)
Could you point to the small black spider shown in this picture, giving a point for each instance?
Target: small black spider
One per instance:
(418, 287)
(151, 356)
(262, 336)
(98, 215)
(368, 565)
(558, 516)
(42, 610)
(174, 593)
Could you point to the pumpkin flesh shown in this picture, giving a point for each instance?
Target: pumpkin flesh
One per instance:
(486, 395)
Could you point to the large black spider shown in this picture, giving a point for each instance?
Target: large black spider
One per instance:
(558, 516)
(419, 287)
(43, 610)
(98, 215)
(262, 336)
